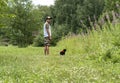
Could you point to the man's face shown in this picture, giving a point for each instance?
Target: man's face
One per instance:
(48, 20)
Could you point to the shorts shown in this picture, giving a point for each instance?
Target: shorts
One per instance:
(46, 41)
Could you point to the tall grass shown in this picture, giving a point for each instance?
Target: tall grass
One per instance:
(96, 43)
(29, 65)
(91, 58)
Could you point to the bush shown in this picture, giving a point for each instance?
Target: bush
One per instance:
(39, 40)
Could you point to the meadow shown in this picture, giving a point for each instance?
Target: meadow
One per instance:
(91, 58)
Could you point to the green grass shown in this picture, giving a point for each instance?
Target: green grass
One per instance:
(91, 58)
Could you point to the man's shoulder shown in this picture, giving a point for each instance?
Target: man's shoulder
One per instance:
(46, 23)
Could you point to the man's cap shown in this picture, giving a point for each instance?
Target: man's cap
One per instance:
(48, 17)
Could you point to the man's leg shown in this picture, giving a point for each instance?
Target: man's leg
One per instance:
(47, 50)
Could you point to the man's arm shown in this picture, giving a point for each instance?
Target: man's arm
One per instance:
(47, 29)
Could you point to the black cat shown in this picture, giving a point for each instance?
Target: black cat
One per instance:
(63, 52)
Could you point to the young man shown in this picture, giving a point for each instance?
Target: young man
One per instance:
(47, 35)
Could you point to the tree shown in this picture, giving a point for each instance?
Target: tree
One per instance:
(22, 24)
(70, 12)
(111, 5)
(4, 21)
(3, 9)
(90, 10)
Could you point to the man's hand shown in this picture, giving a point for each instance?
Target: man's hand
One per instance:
(50, 38)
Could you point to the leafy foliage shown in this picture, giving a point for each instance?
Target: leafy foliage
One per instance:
(22, 24)
(24, 21)
(71, 12)
(111, 5)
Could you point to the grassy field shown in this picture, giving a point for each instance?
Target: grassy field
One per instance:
(90, 58)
